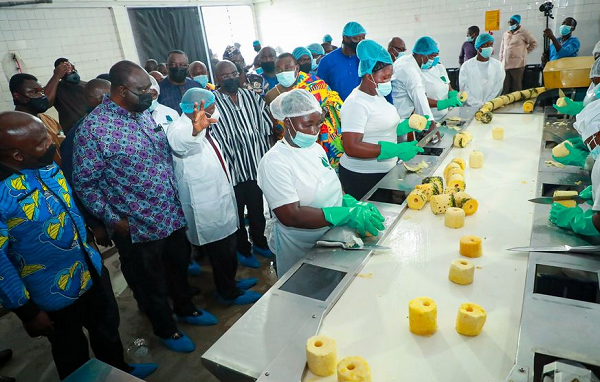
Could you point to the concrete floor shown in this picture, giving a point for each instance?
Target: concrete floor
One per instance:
(32, 360)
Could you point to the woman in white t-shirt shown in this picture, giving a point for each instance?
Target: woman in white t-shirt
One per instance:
(301, 188)
(371, 125)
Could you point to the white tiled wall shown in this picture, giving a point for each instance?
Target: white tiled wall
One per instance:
(88, 37)
(290, 23)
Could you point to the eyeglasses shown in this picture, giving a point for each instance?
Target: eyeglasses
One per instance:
(230, 75)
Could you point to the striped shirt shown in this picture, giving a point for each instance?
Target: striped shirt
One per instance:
(243, 132)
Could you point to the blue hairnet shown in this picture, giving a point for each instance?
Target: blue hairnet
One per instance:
(517, 18)
(301, 51)
(353, 29)
(369, 53)
(483, 39)
(316, 49)
(196, 95)
(327, 38)
(425, 45)
(255, 43)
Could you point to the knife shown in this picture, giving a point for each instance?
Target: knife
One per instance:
(323, 243)
(550, 200)
(587, 249)
(429, 136)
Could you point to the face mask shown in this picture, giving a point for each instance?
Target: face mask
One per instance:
(216, 115)
(305, 67)
(314, 65)
(73, 78)
(512, 27)
(352, 45)
(287, 79)
(435, 61)
(564, 30)
(256, 49)
(202, 79)
(268, 67)
(177, 74)
(383, 88)
(231, 84)
(46, 159)
(595, 152)
(486, 52)
(469, 39)
(153, 105)
(303, 140)
(592, 94)
(39, 105)
(259, 71)
(427, 65)
(143, 103)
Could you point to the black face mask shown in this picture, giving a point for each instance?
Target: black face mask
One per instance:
(231, 84)
(45, 160)
(268, 67)
(39, 105)
(256, 49)
(306, 67)
(352, 45)
(73, 78)
(177, 74)
(143, 103)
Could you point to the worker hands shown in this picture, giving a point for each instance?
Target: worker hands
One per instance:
(574, 219)
(576, 157)
(572, 108)
(404, 126)
(577, 142)
(453, 93)
(405, 150)
(360, 218)
(200, 120)
(63, 69)
(548, 33)
(349, 201)
(587, 195)
(449, 102)
(101, 236)
(40, 325)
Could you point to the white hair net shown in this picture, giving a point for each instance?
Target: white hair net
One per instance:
(295, 103)
(595, 71)
(154, 85)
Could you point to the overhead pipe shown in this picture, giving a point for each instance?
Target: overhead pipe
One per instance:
(27, 2)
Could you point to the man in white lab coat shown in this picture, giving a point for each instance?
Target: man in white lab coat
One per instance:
(206, 193)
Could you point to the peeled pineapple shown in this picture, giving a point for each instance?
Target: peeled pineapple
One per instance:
(417, 122)
(353, 369)
(450, 166)
(422, 316)
(321, 355)
(462, 139)
(463, 96)
(454, 171)
(438, 183)
(486, 117)
(476, 159)
(466, 202)
(470, 246)
(562, 150)
(470, 319)
(440, 203)
(561, 102)
(455, 217)
(416, 199)
(498, 133)
(426, 189)
(456, 181)
(528, 106)
(461, 162)
(566, 203)
(461, 272)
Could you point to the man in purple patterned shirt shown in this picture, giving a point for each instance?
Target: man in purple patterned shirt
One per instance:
(123, 173)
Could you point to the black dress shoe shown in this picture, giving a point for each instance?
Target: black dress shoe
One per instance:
(5, 355)
(7, 379)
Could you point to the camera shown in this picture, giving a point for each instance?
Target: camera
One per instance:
(547, 8)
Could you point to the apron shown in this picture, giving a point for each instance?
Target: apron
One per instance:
(436, 86)
(291, 244)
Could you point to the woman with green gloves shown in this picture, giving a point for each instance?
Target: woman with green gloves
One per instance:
(301, 188)
(575, 219)
(371, 125)
(592, 94)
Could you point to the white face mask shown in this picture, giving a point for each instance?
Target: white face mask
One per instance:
(591, 94)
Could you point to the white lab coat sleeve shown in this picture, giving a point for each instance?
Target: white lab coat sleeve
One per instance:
(179, 135)
(416, 91)
(277, 181)
(499, 80)
(469, 82)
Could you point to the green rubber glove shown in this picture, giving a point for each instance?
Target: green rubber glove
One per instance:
(349, 201)
(448, 102)
(576, 157)
(574, 219)
(452, 93)
(577, 142)
(405, 150)
(403, 128)
(359, 218)
(572, 108)
(587, 195)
